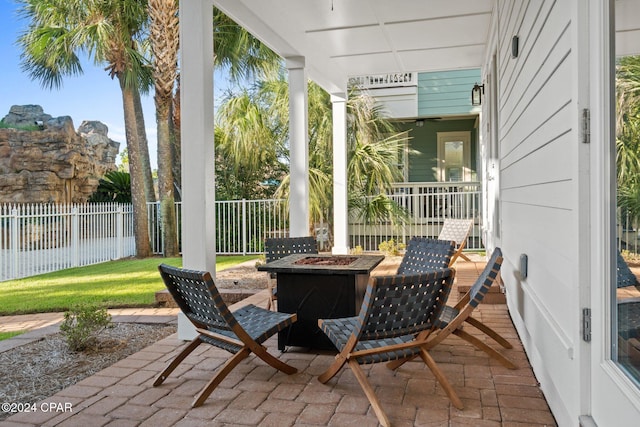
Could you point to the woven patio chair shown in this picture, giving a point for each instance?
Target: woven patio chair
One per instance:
(280, 247)
(239, 332)
(451, 319)
(424, 255)
(457, 230)
(394, 321)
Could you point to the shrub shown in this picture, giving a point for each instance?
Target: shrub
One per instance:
(115, 186)
(389, 247)
(357, 250)
(82, 324)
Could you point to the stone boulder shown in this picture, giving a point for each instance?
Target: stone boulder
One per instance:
(54, 164)
(26, 115)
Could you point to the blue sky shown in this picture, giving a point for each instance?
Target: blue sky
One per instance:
(90, 96)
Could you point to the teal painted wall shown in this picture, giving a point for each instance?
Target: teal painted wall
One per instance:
(423, 146)
(445, 93)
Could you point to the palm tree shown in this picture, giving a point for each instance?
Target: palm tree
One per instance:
(164, 38)
(109, 32)
(628, 136)
(115, 186)
(241, 54)
(254, 127)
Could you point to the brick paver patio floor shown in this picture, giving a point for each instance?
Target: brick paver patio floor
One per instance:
(254, 394)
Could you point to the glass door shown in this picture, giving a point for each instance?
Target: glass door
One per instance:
(614, 397)
(454, 157)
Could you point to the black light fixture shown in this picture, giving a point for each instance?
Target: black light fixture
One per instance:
(515, 46)
(476, 94)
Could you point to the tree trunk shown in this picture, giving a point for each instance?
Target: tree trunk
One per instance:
(175, 138)
(138, 198)
(149, 190)
(165, 179)
(164, 39)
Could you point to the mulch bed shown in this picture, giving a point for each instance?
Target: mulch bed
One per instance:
(36, 371)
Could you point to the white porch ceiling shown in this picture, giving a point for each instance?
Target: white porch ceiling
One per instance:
(344, 38)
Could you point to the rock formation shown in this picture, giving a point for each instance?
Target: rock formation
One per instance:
(52, 163)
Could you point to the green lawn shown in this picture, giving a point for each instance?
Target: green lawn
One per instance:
(124, 283)
(7, 335)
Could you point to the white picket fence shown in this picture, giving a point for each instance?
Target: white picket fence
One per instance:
(41, 238)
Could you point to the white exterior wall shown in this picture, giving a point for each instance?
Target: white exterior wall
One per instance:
(397, 102)
(539, 150)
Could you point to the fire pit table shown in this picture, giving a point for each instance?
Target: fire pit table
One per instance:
(319, 287)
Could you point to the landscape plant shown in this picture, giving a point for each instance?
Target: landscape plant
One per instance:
(628, 138)
(252, 143)
(391, 248)
(114, 186)
(82, 325)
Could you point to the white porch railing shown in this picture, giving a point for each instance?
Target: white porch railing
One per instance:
(41, 238)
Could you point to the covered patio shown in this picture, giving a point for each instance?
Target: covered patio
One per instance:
(255, 394)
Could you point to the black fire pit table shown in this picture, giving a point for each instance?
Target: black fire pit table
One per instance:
(319, 287)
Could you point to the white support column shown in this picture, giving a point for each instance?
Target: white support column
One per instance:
(299, 148)
(196, 98)
(340, 205)
(196, 91)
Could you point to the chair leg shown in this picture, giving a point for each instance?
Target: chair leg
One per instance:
(333, 369)
(490, 332)
(263, 354)
(176, 361)
(368, 391)
(220, 375)
(484, 347)
(395, 364)
(442, 379)
(464, 257)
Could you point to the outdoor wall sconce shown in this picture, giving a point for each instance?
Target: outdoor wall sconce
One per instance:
(524, 266)
(476, 94)
(515, 49)
(419, 123)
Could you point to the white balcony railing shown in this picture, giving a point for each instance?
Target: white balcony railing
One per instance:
(375, 81)
(427, 205)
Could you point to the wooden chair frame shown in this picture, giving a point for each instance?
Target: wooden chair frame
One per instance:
(240, 332)
(457, 230)
(381, 333)
(451, 319)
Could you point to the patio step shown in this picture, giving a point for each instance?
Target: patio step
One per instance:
(494, 296)
(230, 296)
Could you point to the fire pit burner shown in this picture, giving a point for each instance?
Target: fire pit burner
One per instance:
(325, 261)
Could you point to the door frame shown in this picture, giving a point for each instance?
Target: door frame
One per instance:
(614, 399)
